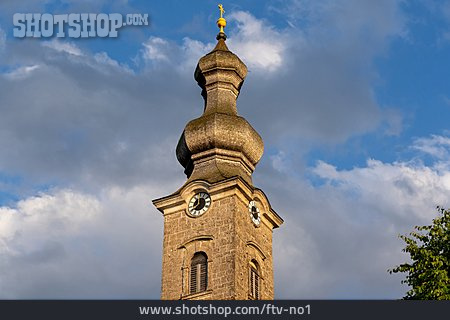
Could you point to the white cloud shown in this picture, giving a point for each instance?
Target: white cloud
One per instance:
(400, 187)
(257, 43)
(157, 49)
(183, 58)
(62, 46)
(436, 146)
(279, 162)
(67, 244)
(21, 73)
(191, 51)
(103, 58)
(340, 237)
(325, 170)
(75, 127)
(75, 54)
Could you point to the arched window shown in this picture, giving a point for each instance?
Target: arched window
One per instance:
(199, 273)
(254, 280)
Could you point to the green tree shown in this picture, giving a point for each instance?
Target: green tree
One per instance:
(429, 247)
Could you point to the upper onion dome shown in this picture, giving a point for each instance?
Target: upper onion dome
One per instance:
(219, 144)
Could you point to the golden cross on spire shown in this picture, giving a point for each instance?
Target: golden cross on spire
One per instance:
(221, 22)
(222, 11)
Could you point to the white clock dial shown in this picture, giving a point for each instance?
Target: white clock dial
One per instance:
(199, 204)
(254, 213)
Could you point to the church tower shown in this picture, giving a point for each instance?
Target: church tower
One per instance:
(218, 227)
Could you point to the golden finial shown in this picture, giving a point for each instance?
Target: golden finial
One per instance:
(221, 22)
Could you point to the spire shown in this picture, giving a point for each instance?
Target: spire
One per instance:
(219, 144)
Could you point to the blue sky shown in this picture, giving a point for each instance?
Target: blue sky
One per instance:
(351, 98)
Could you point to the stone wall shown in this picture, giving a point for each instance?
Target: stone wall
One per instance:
(225, 233)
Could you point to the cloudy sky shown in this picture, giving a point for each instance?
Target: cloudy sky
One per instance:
(350, 96)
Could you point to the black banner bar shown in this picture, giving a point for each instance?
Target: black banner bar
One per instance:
(279, 309)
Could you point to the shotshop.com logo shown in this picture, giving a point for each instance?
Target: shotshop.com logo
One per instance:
(74, 25)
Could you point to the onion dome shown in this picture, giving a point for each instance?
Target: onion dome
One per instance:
(219, 144)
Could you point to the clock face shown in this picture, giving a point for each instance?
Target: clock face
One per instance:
(254, 213)
(199, 204)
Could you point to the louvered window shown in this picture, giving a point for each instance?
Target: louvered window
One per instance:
(254, 280)
(199, 273)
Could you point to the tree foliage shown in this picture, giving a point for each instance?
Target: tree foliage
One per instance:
(429, 247)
